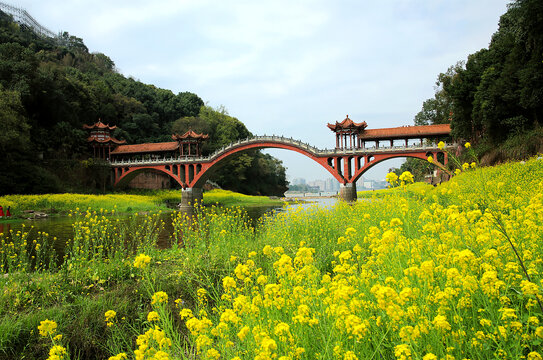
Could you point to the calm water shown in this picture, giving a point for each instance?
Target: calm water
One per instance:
(61, 227)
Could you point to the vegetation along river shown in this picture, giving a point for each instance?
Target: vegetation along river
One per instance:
(61, 227)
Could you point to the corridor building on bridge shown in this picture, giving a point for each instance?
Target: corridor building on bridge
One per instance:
(432, 133)
(187, 145)
(353, 136)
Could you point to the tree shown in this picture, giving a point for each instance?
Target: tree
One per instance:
(18, 68)
(15, 129)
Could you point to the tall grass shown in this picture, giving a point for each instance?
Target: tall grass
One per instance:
(421, 274)
(418, 273)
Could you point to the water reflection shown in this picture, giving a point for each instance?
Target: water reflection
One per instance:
(61, 227)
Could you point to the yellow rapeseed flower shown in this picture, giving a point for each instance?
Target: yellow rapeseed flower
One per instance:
(159, 297)
(242, 334)
(121, 356)
(349, 355)
(441, 323)
(407, 177)
(402, 351)
(429, 356)
(142, 261)
(57, 352)
(391, 178)
(152, 316)
(110, 314)
(47, 327)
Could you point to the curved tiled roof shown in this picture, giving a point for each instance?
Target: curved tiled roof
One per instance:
(406, 132)
(99, 125)
(146, 148)
(103, 141)
(347, 124)
(190, 135)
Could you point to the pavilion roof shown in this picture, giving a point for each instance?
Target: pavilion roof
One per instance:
(190, 135)
(347, 124)
(104, 141)
(146, 148)
(99, 125)
(406, 132)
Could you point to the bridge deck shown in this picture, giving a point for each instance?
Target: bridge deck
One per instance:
(280, 140)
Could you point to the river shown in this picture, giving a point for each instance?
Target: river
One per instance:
(61, 226)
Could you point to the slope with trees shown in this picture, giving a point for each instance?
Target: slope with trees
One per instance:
(495, 98)
(50, 87)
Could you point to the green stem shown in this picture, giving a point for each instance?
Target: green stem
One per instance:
(502, 229)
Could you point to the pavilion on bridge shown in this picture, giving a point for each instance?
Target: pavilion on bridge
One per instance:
(100, 139)
(347, 130)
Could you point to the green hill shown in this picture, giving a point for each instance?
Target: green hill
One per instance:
(50, 87)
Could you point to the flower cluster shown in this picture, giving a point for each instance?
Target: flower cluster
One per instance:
(142, 261)
(159, 297)
(110, 315)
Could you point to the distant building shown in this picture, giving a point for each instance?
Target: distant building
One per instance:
(318, 184)
(331, 184)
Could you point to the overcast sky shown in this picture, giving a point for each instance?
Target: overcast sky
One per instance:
(285, 67)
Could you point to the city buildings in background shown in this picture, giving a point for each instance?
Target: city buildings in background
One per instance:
(331, 185)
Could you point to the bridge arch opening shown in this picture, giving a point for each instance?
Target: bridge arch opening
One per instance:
(385, 165)
(299, 166)
(131, 173)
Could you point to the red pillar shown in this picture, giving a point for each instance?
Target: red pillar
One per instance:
(187, 174)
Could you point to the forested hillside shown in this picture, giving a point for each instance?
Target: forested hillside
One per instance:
(50, 87)
(495, 98)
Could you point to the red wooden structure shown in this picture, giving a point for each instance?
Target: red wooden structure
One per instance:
(357, 150)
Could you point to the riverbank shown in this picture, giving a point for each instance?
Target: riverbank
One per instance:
(25, 206)
(421, 272)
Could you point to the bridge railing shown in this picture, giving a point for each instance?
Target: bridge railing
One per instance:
(277, 139)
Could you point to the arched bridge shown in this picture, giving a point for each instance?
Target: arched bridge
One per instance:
(345, 164)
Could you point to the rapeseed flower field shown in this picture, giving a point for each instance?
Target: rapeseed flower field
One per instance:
(447, 272)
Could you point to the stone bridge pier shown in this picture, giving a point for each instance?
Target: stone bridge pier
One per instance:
(347, 192)
(190, 197)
